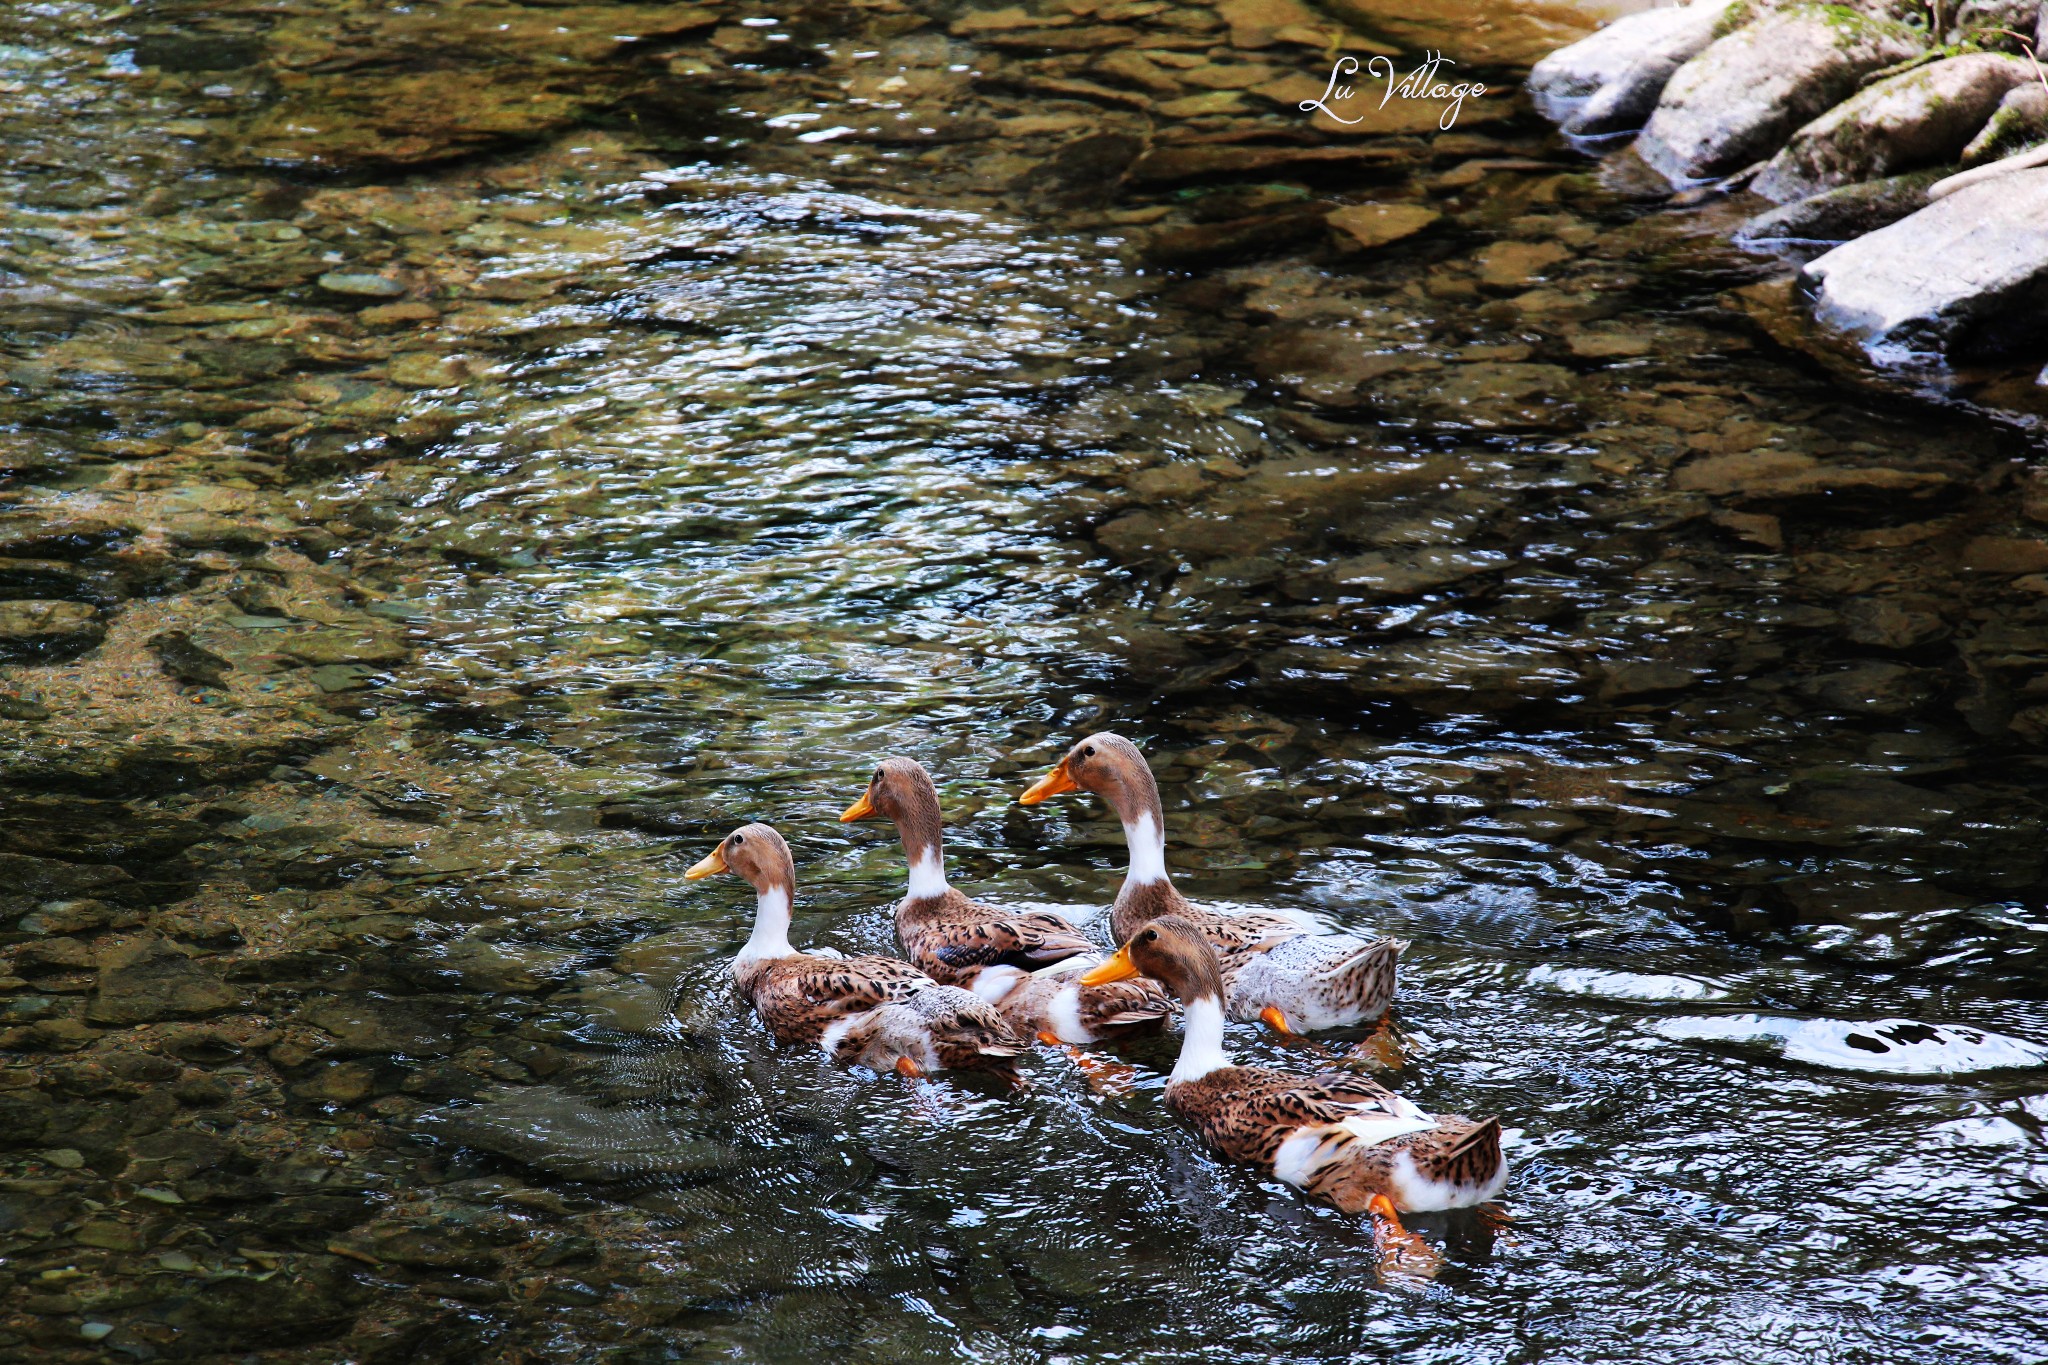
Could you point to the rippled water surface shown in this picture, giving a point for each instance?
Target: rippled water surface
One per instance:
(701, 484)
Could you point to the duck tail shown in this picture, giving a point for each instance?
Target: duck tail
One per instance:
(1475, 1157)
(971, 1033)
(1367, 978)
(1389, 949)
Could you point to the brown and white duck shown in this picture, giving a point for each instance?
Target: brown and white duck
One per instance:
(1026, 964)
(1337, 1136)
(872, 1011)
(1274, 969)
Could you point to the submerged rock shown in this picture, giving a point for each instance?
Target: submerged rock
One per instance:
(48, 629)
(1922, 117)
(1361, 227)
(1738, 101)
(1840, 214)
(1903, 1047)
(359, 285)
(1966, 274)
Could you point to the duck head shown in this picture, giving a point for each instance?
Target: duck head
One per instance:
(901, 791)
(759, 856)
(755, 853)
(1172, 952)
(1111, 767)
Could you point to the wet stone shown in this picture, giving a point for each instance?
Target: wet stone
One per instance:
(1400, 575)
(371, 1025)
(148, 979)
(2006, 555)
(345, 647)
(48, 629)
(340, 1083)
(1894, 622)
(1362, 227)
(362, 286)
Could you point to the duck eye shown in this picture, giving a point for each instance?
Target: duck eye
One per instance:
(738, 839)
(877, 779)
(1087, 751)
(1151, 936)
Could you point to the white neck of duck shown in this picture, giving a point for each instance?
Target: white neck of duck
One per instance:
(1201, 1041)
(927, 874)
(771, 926)
(1147, 842)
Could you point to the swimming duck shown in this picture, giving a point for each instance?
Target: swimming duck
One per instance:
(1273, 968)
(1026, 965)
(873, 1011)
(1337, 1136)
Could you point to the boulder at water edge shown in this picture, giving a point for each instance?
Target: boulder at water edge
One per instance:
(2020, 122)
(1837, 215)
(1624, 53)
(1968, 274)
(1922, 117)
(1738, 101)
(1625, 103)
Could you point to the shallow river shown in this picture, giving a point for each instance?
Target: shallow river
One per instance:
(1649, 678)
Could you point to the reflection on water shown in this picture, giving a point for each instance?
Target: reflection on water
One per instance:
(1691, 773)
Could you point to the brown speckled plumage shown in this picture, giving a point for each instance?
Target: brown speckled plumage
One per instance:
(953, 938)
(1117, 1009)
(945, 933)
(1234, 937)
(1269, 961)
(1247, 1112)
(1334, 1135)
(871, 1010)
(937, 1026)
(797, 997)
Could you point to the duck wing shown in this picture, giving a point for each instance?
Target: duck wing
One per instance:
(968, 936)
(799, 996)
(1248, 1112)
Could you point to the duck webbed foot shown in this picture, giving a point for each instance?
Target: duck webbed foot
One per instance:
(1380, 1050)
(1104, 1077)
(1402, 1254)
(1275, 1019)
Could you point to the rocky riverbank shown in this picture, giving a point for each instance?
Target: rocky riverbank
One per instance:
(1917, 135)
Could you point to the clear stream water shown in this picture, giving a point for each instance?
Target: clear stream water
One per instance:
(779, 473)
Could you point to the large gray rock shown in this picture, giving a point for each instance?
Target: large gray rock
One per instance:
(1968, 274)
(2019, 122)
(1626, 102)
(1922, 117)
(1559, 82)
(1737, 102)
(1839, 214)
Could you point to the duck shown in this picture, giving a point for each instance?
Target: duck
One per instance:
(873, 1011)
(1336, 1136)
(1275, 970)
(1026, 965)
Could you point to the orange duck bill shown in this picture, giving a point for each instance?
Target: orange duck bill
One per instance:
(859, 810)
(1118, 968)
(714, 861)
(1052, 784)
